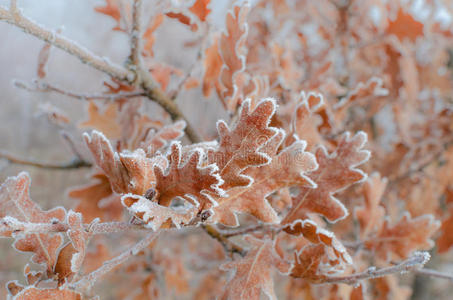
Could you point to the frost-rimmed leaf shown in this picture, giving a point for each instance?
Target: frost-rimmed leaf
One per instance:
(155, 215)
(189, 179)
(239, 145)
(253, 272)
(287, 168)
(15, 202)
(336, 172)
(128, 172)
(71, 256)
(31, 293)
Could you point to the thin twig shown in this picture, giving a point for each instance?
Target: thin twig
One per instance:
(136, 38)
(412, 263)
(47, 88)
(226, 243)
(10, 224)
(74, 164)
(241, 231)
(152, 91)
(102, 64)
(434, 273)
(86, 282)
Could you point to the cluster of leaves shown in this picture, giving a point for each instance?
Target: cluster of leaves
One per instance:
(288, 175)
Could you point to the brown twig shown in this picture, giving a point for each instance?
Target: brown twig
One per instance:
(226, 243)
(74, 164)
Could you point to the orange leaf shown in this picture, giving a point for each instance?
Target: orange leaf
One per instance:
(253, 272)
(336, 171)
(106, 121)
(398, 241)
(405, 26)
(15, 202)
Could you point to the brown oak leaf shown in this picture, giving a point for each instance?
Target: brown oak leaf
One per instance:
(253, 272)
(371, 215)
(188, 179)
(105, 121)
(32, 293)
(405, 26)
(336, 172)
(155, 215)
(399, 240)
(97, 200)
(287, 168)
(445, 240)
(112, 10)
(15, 202)
(199, 9)
(128, 172)
(71, 256)
(239, 144)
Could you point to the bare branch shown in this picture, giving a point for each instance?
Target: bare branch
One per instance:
(86, 282)
(10, 224)
(47, 88)
(413, 263)
(74, 164)
(434, 273)
(136, 36)
(102, 64)
(228, 245)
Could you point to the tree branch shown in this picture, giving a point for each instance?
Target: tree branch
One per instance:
(412, 263)
(102, 64)
(86, 282)
(74, 164)
(10, 224)
(47, 88)
(226, 243)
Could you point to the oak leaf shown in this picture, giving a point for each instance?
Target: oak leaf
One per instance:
(15, 202)
(336, 172)
(155, 215)
(405, 26)
(31, 293)
(445, 240)
(286, 169)
(239, 144)
(105, 121)
(399, 240)
(149, 37)
(199, 9)
(188, 179)
(112, 10)
(371, 215)
(253, 272)
(128, 172)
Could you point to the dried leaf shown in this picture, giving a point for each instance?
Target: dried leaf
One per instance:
(398, 241)
(43, 57)
(148, 36)
(336, 172)
(95, 200)
(287, 168)
(71, 256)
(15, 202)
(106, 121)
(371, 215)
(188, 179)
(405, 26)
(239, 145)
(112, 10)
(32, 293)
(212, 64)
(253, 272)
(155, 215)
(199, 9)
(128, 172)
(445, 240)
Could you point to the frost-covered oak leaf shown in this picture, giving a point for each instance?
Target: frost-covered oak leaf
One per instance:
(336, 172)
(156, 140)
(199, 9)
(239, 144)
(154, 215)
(252, 274)
(445, 240)
(287, 168)
(31, 293)
(105, 121)
(187, 178)
(371, 214)
(128, 172)
(336, 252)
(97, 200)
(399, 240)
(15, 202)
(71, 256)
